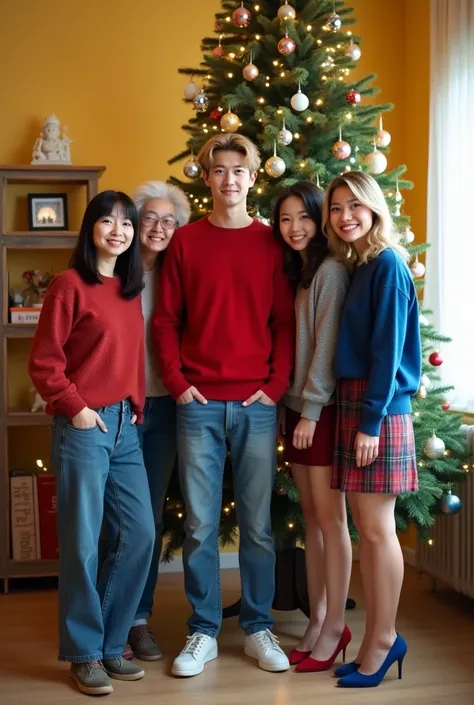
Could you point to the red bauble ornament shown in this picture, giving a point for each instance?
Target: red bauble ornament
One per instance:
(435, 359)
(241, 16)
(446, 405)
(353, 97)
(286, 46)
(218, 52)
(216, 115)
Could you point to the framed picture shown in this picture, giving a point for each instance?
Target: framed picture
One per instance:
(47, 211)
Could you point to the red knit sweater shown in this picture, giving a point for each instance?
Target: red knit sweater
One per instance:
(225, 316)
(88, 349)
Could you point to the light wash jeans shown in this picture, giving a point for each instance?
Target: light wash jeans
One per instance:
(100, 477)
(202, 434)
(157, 436)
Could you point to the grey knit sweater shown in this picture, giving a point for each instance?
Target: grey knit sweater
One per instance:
(318, 312)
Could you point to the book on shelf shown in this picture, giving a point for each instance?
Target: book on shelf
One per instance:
(33, 516)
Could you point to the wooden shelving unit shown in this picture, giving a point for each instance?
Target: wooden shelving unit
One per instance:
(22, 240)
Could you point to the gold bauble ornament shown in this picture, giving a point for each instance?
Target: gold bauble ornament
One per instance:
(341, 150)
(286, 12)
(250, 72)
(275, 167)
(230, 122)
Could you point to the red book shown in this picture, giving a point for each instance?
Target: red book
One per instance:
(48, 516)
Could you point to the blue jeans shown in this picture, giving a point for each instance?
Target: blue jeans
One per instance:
(202, 434)
(100, 477)
(157, 436)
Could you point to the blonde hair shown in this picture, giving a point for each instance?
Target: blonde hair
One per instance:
(230, 143)
(383, 233)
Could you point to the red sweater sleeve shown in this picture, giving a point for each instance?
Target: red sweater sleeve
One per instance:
(47, 363)
(167, 322)
(282, 325)
(137, 403)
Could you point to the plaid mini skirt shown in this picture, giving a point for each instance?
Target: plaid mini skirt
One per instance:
(394, 471)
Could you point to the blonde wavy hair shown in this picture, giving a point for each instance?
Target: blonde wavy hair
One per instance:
(383, 233)
(232, 143)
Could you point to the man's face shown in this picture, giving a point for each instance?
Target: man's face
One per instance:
(229, 178)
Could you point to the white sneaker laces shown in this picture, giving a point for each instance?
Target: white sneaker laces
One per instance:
(194, 643)
(267, 640)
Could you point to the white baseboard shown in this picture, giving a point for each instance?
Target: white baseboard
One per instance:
(231, 560)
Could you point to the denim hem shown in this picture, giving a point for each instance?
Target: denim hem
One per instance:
(206, 632)
(259, 628)
(113, 656)
(82, 659)
(142, 615)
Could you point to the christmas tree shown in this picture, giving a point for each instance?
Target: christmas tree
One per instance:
(279, 73)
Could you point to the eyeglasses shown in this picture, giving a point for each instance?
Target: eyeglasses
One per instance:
(167, 221)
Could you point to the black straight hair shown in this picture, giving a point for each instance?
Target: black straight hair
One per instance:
(318, 246)
(128, 267)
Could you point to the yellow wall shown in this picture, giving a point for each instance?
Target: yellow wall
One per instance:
(108, 69)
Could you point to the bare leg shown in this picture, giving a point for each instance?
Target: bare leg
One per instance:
(383, 554)
(365, 562)
(314, 556)
(330, 511)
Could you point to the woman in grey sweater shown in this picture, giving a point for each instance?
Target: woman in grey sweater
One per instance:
(320, 284)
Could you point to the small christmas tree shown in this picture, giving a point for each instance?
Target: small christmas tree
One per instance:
(279, 73)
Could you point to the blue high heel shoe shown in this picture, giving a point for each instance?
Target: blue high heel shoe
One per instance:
(360, 680)
(346, 668)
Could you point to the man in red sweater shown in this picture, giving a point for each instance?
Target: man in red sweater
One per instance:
(224, 336)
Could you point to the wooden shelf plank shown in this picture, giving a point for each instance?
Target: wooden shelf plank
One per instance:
(47, 241)
(24, 417)
(42, 233)
(32, 569)
(19, 330)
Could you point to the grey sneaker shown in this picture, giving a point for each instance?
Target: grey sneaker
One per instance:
(123, 670)
(91, 678)
(143, 643)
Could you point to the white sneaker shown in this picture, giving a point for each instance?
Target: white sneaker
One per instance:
(199, 649)
(265, 648)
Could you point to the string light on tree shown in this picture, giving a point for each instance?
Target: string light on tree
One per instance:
(241, 16)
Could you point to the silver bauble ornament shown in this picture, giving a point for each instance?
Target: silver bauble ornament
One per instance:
(201, 101)
(191, 90)
(275, 167)
(286, 46)
(192, 169)
(334, 22)
(284, 137)
(434, 447)
(383, 138)
(450, 503)
(241, 16)
(353, 52)
(299, 101)
(376, 161)
(286, 12)
(230, 122)
(250, 72)
(341, 150)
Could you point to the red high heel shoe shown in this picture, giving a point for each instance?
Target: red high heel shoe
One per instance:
(312, 665)
(297, 656)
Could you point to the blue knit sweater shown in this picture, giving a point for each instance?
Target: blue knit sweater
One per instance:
(379, 338)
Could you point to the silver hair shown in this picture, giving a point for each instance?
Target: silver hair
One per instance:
(165, 191)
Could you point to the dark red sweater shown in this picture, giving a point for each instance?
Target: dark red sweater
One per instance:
(88, 349)
(225, 316)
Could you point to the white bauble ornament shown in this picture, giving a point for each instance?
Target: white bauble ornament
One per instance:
(417, 269)
(434, 447)
(191, 90)
(409, 236)
(201, 101)
(230, 122)
(284, 137)
(341, 150)
(398, 196)
(383, 138)
(299, 101)
(397, 209)
(376, 161)
(250, 72)
(422, 392)
(275, 167)
(191, 168)
(286, 12)
(353, 52)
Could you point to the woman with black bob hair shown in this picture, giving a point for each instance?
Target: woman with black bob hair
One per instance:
(309, 418)
(87, 363)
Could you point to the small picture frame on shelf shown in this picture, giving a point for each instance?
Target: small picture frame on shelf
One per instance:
(47, 211)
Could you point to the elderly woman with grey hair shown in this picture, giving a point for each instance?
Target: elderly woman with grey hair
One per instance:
(162, 208)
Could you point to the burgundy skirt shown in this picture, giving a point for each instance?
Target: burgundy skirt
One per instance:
(322, 450)
(394, 471)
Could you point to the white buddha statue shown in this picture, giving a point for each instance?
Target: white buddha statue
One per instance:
(50, 148)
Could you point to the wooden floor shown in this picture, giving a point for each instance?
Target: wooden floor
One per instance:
(439, 629)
